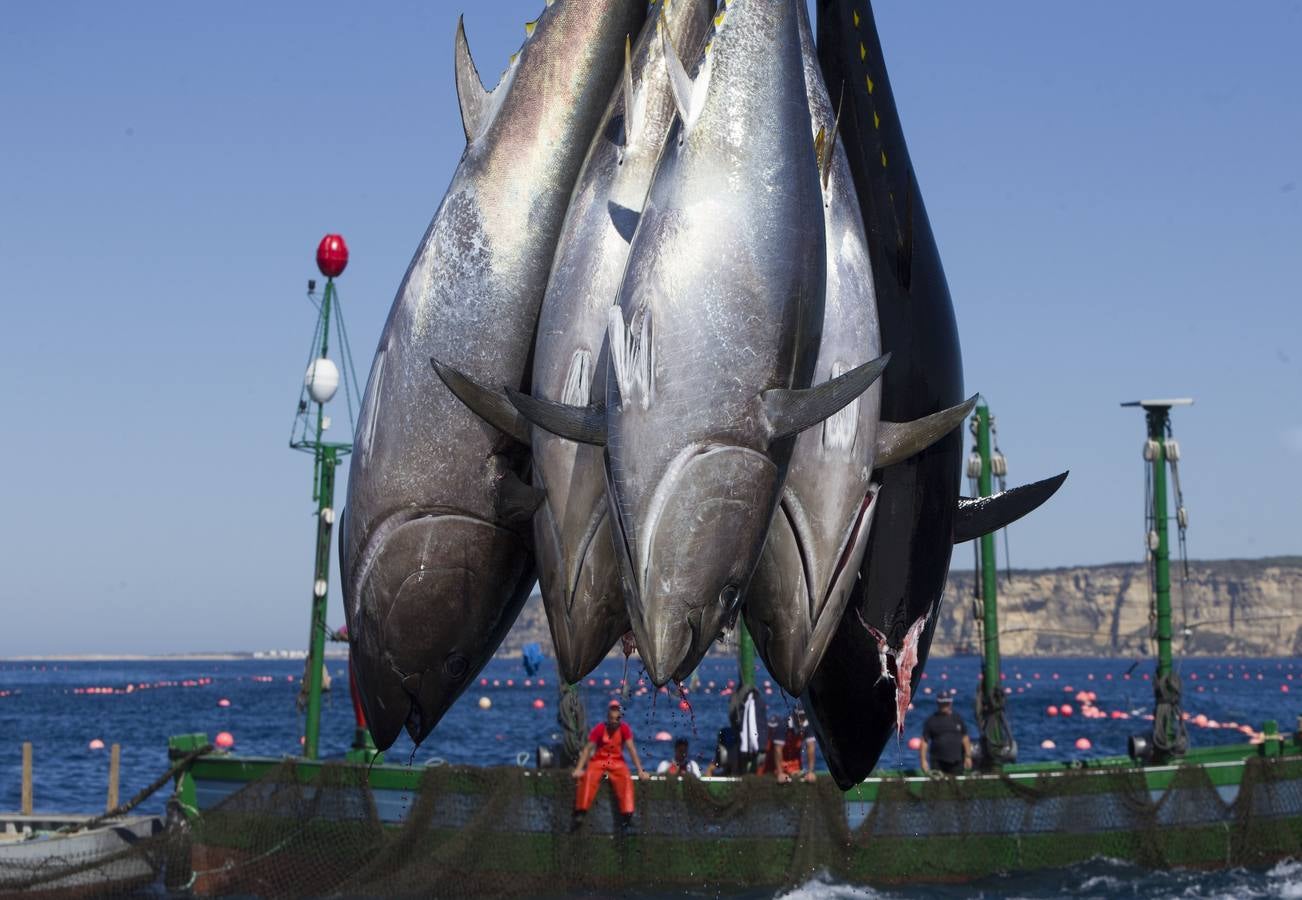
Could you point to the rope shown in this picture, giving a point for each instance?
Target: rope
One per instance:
(573, 719)
(123, 808)
(1169, 734)
(997, 742)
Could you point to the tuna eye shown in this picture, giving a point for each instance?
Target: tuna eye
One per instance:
(455, 666)
(729, 596)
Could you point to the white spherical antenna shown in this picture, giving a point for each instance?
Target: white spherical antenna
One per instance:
(322, 379)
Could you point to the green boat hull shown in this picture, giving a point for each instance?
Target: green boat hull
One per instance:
(390, 829)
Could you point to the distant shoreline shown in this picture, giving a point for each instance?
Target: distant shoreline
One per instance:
(214, 656)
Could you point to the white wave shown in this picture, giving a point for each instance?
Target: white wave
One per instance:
(1286, 879)
(823, 887)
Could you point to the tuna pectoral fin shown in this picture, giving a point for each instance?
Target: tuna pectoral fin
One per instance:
(624, 219)
(476, 103)
(517, 501)
(983, 515)
(791, 412)
(491, 406)
(584, 424)
(897, 441)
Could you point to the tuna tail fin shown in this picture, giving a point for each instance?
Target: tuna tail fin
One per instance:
(490, 405)
(790, 412)
(583, 424)
(475, 100)
(983, 515)
(682, 86)
(897, 441)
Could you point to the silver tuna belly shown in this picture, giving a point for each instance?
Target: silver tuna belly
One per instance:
(429, 617)
(587, 617)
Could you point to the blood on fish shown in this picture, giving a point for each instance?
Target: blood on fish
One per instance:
(897, 664)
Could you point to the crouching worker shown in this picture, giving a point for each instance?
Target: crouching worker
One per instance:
(603, 756)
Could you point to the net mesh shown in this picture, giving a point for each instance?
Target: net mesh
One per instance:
(506, 832)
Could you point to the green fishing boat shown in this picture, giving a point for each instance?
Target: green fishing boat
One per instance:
(306, 826)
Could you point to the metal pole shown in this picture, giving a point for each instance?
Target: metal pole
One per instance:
(745, 655)
(115, 767)
(320, 408)
(323, 492)
(1157, 421)
(25, 801)
(329, 457)
(990, 609)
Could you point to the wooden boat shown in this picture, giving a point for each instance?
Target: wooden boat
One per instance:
(47, 854)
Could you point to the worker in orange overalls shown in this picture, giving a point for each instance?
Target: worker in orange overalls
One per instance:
(603, 755)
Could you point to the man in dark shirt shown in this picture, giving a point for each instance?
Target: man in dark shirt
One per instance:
(944, 738)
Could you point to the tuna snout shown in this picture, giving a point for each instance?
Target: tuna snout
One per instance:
(429, 617)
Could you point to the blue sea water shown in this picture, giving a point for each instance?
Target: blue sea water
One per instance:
(140, 704)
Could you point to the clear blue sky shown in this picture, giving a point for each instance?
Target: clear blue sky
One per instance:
(1116, 189)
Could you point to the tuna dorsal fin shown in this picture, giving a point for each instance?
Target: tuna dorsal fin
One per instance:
(792, 411)
(584, 424)
(984, 515)
(630, 124)
(624, 219)
(517, 501)
(681, 84)
(476, 102)
(897, 441)
(490, 405)
(826, 150)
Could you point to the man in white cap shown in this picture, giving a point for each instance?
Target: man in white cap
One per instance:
(945, 740)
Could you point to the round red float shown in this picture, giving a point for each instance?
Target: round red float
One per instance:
(332, 255)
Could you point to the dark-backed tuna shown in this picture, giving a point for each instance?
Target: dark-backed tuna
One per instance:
(817, 540)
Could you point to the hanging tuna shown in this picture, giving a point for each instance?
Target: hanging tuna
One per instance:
(577, 566)
(817, 540)
(436, 547)
(891, 612)
(714, 341)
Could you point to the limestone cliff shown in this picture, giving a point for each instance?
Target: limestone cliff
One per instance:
(1231, 607)
(1225, 608)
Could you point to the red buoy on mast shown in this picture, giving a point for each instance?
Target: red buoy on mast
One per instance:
(332, 255)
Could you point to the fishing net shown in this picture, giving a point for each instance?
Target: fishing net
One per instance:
(300, 831)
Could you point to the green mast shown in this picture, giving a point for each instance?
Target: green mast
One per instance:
(319, 386)
(998, 746)
(989, 576)
(1170, 738)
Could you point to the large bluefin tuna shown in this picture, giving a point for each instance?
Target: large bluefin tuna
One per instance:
(854, 702)
(436, 548)
(577, 567)
(817, 538)
(816, 544)
(713, 344)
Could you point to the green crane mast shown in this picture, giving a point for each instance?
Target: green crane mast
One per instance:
(1170, 738)
(998, 747)
(320, 384)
